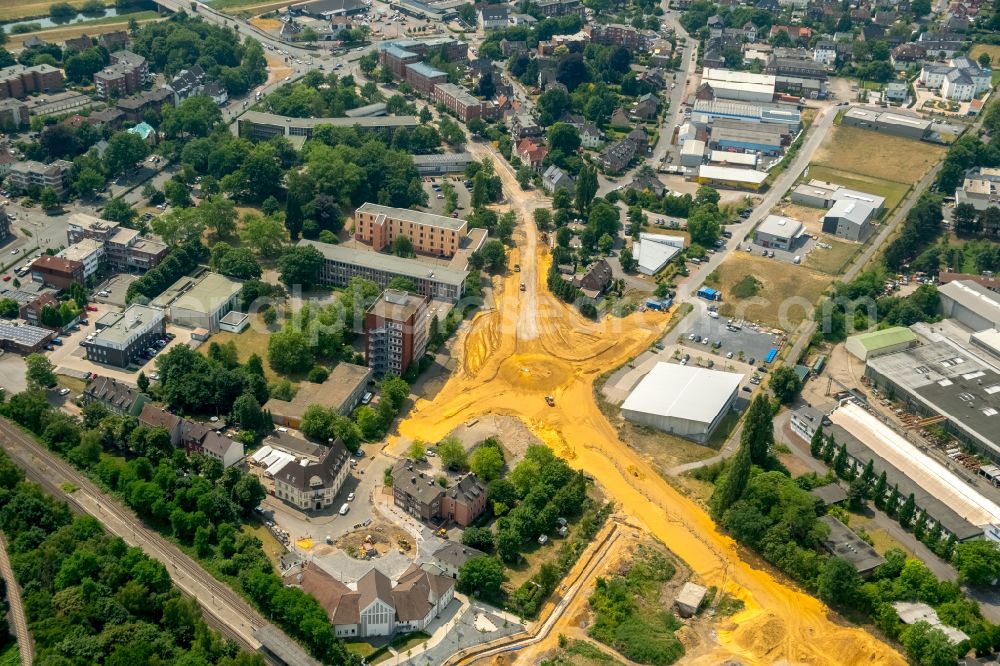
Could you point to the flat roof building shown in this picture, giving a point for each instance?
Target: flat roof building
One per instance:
(843, 542)
(121, 337)
(88, 252)
(778, 232)
(886, 341)
(731, 177)
(896, 124)
(200, 302)
(682, 400)
(24, 338)
(343, 263)
(692, 152)
(342, 392)
(258, 125)
(396, 331)
(946, 378)
(739, 85)
(439, 165)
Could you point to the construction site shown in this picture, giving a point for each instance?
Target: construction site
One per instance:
(530, 346)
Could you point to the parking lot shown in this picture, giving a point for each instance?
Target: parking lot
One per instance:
(436, 205)
(116, 288)
(750, 339)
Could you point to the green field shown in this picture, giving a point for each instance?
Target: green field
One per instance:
(893, 192)
(16, 11)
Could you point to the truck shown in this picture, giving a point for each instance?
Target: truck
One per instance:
(710, 294)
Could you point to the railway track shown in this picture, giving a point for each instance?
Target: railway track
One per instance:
(25, 644)
(223, 608)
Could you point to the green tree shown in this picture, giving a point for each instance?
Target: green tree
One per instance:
(878, 492)
(289, 351)
(839, 583)
(219, 215)
(493, 254)
(758, 431)
(264, 235)
(416, 450)
(480, 538)
(124, 151)
(586, 188)
(48, 199)
(247, 413)
(840, 462)
(977, 562)
(142, 381)
(927, 645)
(733, 483)
(785, 384)
(481, 577)
(816, 442)
(487, 463)
(402, 246)
(300, 265)
(907, 511)
(892, 504)
(628, 262)
(118, 210)
(452, 454)
(40, 373)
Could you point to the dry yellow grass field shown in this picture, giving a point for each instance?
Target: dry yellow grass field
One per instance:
(860, 151)
(992, 49)
(59, 35)
(786, 296)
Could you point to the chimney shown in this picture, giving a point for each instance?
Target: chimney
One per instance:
(413, 480)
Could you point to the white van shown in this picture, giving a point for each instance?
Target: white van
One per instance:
(797, 260)
(344, 509)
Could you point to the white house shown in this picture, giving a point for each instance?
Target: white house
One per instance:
(825, 52)
(960, 80)
(311, 484)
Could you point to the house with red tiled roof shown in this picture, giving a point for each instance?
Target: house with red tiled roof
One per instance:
(531, 154)
(156, 417)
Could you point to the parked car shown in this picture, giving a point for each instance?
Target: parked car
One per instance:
(91, 308)
(64, 391)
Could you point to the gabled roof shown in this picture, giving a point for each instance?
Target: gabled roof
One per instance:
(154, 416)
(374, 585)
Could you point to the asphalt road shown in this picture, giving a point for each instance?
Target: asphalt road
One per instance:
(222, 606)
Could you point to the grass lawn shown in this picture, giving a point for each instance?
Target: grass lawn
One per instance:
(251, 341)
(10, 656)
(406, 642)
(859, 151)
(992, 49)
(780, 284)
(72, 383)
(833, 260)
(273, 549)
(27, 9)
(892, 191)
(360, 648)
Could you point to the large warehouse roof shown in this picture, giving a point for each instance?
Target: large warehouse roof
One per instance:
(732, 174)
(975, 297)
(887, 337)
(940, 482)
(780, 227)
(683, 392)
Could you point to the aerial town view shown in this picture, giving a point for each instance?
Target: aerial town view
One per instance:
(518, 332)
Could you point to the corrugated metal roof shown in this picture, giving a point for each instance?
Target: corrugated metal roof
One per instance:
(887, 337)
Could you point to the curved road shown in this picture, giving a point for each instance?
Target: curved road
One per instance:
(222, 606)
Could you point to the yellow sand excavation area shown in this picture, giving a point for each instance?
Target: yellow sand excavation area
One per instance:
(532, 345)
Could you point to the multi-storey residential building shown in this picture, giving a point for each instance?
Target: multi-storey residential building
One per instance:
(88, 252)
(798, 76)
(4, 224)
(340, 264)
(617, 156)
(395, 331)
(13, 114)
(25, 176)
(57, 272)
(422, 77)
(311, 484)
(126, 74)
(493, 17)
(616, 34)
(560, 7)
(420, 496)
(462, 103)
(396, 58)
(380, 226)
(18, 80)
(124, 249)
(121, 336)
(137, 106)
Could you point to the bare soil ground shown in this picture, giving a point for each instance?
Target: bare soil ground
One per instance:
(380, 537)
(786, 295)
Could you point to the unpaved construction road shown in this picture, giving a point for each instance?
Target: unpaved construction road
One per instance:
(532, 345)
